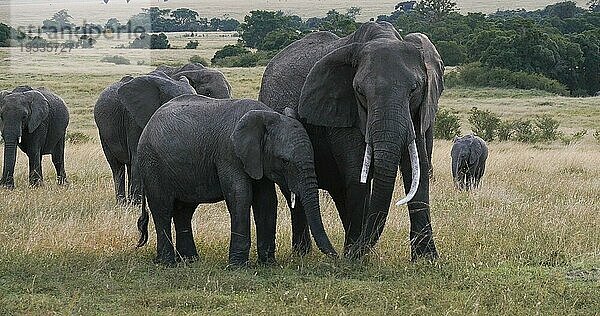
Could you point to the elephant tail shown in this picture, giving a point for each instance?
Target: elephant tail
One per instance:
(142, 223)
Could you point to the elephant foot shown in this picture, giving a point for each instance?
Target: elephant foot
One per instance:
(424, 251)
(36, 183)
(238, 265)
(167, 262)
(135, 200)
(268, 261)
(121, 201)
(62, 181)
(301, 246)
(188, 258)
(355, 251)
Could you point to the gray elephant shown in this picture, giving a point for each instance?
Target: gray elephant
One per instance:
(120, 131)
(368, 102)
(36, 121)
(206, 81)
(469, 154)
(201, 150)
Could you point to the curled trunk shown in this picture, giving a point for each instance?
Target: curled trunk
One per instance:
(310, 201)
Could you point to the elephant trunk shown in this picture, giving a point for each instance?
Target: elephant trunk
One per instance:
(390, 134)
(310, 201)
(10, 157)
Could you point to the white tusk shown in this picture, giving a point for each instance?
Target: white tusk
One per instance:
(19, 141)
(366, 163)
(416, 173)
(293, 198)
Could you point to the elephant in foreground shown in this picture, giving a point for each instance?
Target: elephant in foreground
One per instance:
(368, 102)
(120, 130)
(36, 121)
(469, 154)
(206, 81)
(197, 150)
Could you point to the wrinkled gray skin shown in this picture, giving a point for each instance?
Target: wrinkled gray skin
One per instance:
(39, 119)
(206, 81)
(120, 131)
(201, 150)
(469, 154)
(369, 87)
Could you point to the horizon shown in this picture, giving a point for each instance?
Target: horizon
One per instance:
(27, 12)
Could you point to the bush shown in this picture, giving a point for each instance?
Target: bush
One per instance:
(452, 53)
(260, 58)
(154, 41)
(484, 123)
(575, 138)
(117, 60)
(476, 75)
(447, 124)
(524, 131)
(229, 51)
(191, 45)
(78, 138)
(546, 128)
(505, 130)
(197, 59)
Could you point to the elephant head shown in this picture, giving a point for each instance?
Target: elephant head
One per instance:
(143, 95)
(21, 113)
(277, 147)
(385, 86)
(206, 81)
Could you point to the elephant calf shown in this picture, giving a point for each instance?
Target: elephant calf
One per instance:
(36, 121)
(206, 81)
(469, 154)
(197, 149)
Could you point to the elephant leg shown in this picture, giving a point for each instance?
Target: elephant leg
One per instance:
(264, 206)
(35, 169)
(184, 238)
(238, 195)
(348, 149)
(58, 159)
(162, 213)
(421, 234)
(135, 179)
(118, 172)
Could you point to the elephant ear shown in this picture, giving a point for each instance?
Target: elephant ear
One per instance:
(247, 139)
(434, 67)
(143, 95)
(476, 151)
(38, 109)
(328, 97)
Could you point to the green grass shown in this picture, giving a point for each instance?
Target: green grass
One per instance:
(525, 243)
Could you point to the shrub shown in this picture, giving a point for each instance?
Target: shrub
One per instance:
(505, 130)
(452, 53)
(546, 128)
(191, 45)
(260, 58)
(197, 59)
(575, 138)
(524, 131)
(78, 138)
(154, 41)
(117, 60)
(476, 75)
(447, 124)
(484, 123)
(229, 51)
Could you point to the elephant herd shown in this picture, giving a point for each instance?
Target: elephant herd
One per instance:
(338, 114)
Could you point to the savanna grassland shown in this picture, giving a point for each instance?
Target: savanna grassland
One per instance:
(527, 242)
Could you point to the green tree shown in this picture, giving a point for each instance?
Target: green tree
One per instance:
(434, 10)
(228, 51)
(184, 16)
(484, 123)
(259, 23)
(452, 53)
(60, 22)
(279, 39)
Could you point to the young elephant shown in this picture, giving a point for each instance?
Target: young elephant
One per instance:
(197, 149)
(469, 154)
(36, 121)
(120, 131)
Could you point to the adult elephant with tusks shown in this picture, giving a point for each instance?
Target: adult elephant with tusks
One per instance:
(34, 120)
(368, 102)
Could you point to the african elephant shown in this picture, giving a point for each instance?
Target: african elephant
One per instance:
(36, 121)
(120, 131)
(368, 96)
(469, 154)
(206, 81)
(232, 150)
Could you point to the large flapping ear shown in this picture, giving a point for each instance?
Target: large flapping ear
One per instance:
(476, 151)
(328, 98)
(39, 109)
(143, 95)
(434, 67)
(248, 137)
